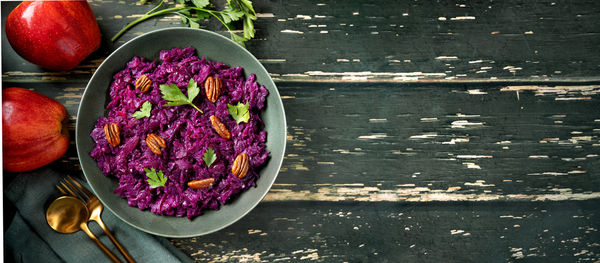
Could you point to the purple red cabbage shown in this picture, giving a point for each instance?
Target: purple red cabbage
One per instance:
(187, 133)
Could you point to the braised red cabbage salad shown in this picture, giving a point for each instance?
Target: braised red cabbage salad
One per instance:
(181, 134)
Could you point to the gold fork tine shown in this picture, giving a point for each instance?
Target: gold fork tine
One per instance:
(81, 187)
(68, 189)
(76, 189)
(61, 190)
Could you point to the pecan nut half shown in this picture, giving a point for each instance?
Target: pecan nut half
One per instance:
(240, 165)
(201, 184)
(220, 127)
(143, 83)
(112, 134)
(212, 87)
(155, 143)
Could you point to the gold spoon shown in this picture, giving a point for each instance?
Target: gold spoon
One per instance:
(67, 215)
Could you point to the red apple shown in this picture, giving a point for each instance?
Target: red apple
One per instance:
(55, 35)
(34, 131)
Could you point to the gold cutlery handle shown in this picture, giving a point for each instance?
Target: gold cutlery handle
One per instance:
(112, 256)
(114, 240)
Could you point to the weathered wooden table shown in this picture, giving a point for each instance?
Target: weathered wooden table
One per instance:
(417, 131)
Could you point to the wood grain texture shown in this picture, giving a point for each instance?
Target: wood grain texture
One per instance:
(418, 173)
(391, 142)
(395, 232)
(417, 131)
(384, 41)
(432, 143)
(380, 172)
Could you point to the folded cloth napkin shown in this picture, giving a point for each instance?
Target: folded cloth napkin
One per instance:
(29, 238)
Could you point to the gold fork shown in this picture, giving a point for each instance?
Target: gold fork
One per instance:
(94, 206)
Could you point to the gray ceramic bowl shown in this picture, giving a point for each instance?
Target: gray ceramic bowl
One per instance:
(214, 47)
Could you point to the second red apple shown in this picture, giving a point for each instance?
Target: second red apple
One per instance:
(34, 131)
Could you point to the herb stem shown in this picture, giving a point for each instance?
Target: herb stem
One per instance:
(156, 7)
(165, 12)
(196, 108)
(141, 19)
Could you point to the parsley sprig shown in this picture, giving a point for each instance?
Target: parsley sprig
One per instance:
(192, 11)
(155, 179)
(239, 112)
(173, 94)
(209, 157)
(144, 111)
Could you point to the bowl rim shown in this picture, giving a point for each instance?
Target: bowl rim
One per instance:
(277, 165)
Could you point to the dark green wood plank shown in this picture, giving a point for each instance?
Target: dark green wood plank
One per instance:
(407, 192)
(385, 40)
(401, 232)
(374, 142)
(426, 143)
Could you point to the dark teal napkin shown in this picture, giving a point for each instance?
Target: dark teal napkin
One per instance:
(30, 239)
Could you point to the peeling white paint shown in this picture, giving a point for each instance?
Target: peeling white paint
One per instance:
(460, 115)
(326, 163)
(272, 60)
(472, 166)
(476, 92)
(456, 140)
(359, 192)
(429, 119)
(456, 232)
(538, 157)
(373, 136)
(479, 183)
(291, 31)
(446, 58)
(461, 124)
(463, 18)
(304, 17)
(265, 15)
(424, 136)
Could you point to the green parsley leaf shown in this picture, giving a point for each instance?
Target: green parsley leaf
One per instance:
(229, 15)
(200, 3)
(247, 5)
(239, 112)
(193, 89)
(238, 39)
(248, 28)
(202, 14)
(175, 103)
(194, 24)
(144, 110)
(184, 13)
(155, 179)
(209, 157)
(184, 21)
(173, 94)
